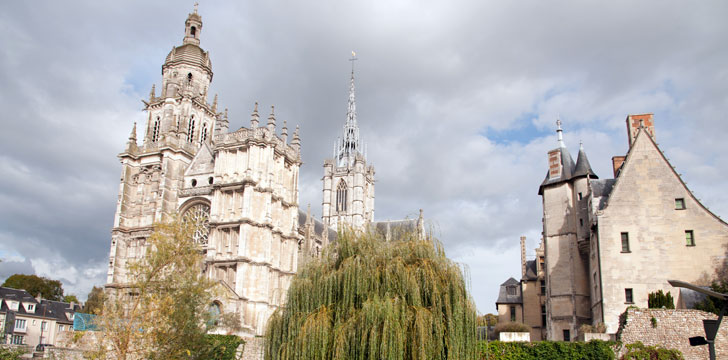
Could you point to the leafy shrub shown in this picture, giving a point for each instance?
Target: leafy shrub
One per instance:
(639, 351)
(221, 347)
(658, 300)
(547, 350)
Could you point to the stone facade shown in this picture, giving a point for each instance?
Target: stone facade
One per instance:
(241, 187)
(671, 329)
(609, 243)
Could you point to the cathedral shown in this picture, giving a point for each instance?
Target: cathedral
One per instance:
(240, 186)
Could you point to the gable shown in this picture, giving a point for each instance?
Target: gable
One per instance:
(647, 180)
(203, 163)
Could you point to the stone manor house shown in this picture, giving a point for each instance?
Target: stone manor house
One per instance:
(241, 186)
(608, 243)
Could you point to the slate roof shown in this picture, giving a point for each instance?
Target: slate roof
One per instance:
(318, 226)
(389, 227)
(566, 174)
(531, 273)
(601, 189)
(504, 298)
(582, 165)
(46, 309)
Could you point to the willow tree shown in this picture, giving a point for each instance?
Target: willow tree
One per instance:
(366, 298)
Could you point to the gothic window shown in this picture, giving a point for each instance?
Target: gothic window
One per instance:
(155, 130)
(341, 196)
(191, 129)
(203, 135)
(199, 215)
(214, 314)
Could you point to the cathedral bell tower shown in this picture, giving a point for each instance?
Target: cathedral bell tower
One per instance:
(179, 122)
(348, 194)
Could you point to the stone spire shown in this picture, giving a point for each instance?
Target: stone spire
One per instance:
(254, 117)
(348, 146)
(272, 119)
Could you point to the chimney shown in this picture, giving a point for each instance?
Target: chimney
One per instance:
(617, 162)
(523, 257)
(635, 122)
(555, 164)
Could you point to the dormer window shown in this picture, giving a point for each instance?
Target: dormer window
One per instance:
(13, 305)
(30, 307)
(511, 290)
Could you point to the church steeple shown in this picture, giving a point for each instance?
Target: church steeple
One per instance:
(349, 145)
(193, 28)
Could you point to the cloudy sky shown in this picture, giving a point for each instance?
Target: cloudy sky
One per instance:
(456, 100)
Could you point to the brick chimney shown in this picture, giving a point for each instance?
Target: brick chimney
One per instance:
(617, 162)
(634, 122)
(523, 257)
(555, 164)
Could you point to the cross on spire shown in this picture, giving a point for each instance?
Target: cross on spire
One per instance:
(196, 4)
(352, 59)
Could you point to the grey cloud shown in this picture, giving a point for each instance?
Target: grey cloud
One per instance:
(433, 80)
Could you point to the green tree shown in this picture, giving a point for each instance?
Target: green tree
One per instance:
(47, 288)
(658, 300)
(372, 299)
(70, 298)
(711, 304)
(95, 301)
(163, 312)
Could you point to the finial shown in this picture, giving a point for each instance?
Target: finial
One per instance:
(226, 114)
(581, 145)
(132, 136)
(254, 117)
(272, 119)
(196, 4)
(214, 104)
(559, 132)
(352, 59)
(284, 132)
(296, 141)
(151, 93)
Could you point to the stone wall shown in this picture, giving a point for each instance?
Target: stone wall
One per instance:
(671, 330)
(254, 348)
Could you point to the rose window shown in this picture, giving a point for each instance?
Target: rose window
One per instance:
(199, 215)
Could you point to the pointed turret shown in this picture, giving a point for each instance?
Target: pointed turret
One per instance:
(151, 94)
(214, 104)
(131, 145)
(561, 164)
(272, 119)
(296, 141)
(582, 165)
(254, 117)
(284, 132)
